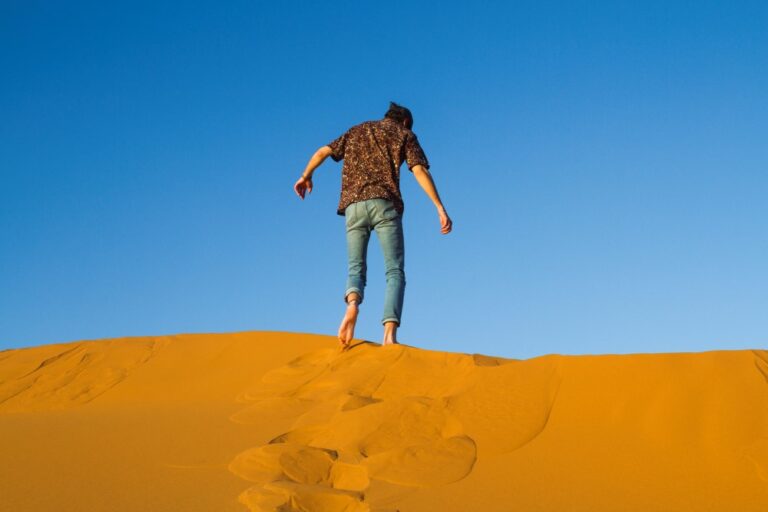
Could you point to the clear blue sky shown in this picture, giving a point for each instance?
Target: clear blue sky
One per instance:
(605, 164)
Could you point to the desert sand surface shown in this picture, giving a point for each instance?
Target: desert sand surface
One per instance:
(268, 421)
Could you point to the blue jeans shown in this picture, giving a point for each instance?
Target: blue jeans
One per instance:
(378, 215)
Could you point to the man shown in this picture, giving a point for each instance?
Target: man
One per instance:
(370, 200)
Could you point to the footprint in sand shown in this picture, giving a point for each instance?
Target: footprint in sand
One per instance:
(347, 424)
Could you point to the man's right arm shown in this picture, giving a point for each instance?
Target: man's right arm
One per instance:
(424, 178)
(304, 184)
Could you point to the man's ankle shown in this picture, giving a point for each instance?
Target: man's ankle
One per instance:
(353, 297)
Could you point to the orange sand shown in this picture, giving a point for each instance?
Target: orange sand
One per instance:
(285, 422)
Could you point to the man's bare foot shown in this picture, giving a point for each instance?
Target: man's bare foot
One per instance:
(347, 327)
(390, 334)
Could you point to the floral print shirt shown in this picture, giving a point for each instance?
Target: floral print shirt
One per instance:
(373, 152)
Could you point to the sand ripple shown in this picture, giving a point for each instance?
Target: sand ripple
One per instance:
(69, 374)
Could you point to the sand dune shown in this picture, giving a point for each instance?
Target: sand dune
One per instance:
(267, 421)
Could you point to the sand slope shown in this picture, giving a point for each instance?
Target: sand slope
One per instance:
(268, 421)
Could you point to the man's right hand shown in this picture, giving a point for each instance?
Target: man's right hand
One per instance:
(446, 224)
(302, 186)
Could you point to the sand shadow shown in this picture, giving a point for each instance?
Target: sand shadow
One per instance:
(353, 345)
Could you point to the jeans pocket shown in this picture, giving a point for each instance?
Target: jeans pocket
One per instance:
(388, 210)
(349, 213)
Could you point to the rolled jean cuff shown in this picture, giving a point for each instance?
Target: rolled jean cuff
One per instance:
(358, 291)
(393, 319)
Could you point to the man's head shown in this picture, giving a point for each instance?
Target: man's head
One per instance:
(399, 114)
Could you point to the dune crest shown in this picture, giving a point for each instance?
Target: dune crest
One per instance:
(266, 421)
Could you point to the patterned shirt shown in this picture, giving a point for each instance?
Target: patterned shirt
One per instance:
(373, 152)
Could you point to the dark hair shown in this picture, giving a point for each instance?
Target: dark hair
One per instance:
(400, 114)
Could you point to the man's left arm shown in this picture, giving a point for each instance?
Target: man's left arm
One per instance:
(304, 184)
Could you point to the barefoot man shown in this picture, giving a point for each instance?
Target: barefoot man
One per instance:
(371, 201)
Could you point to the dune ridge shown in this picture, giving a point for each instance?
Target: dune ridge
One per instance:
(266, 421)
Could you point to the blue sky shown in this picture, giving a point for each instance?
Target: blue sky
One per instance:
(604, 164)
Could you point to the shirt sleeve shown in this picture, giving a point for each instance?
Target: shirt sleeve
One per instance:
(414, 155)
(338, 147)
